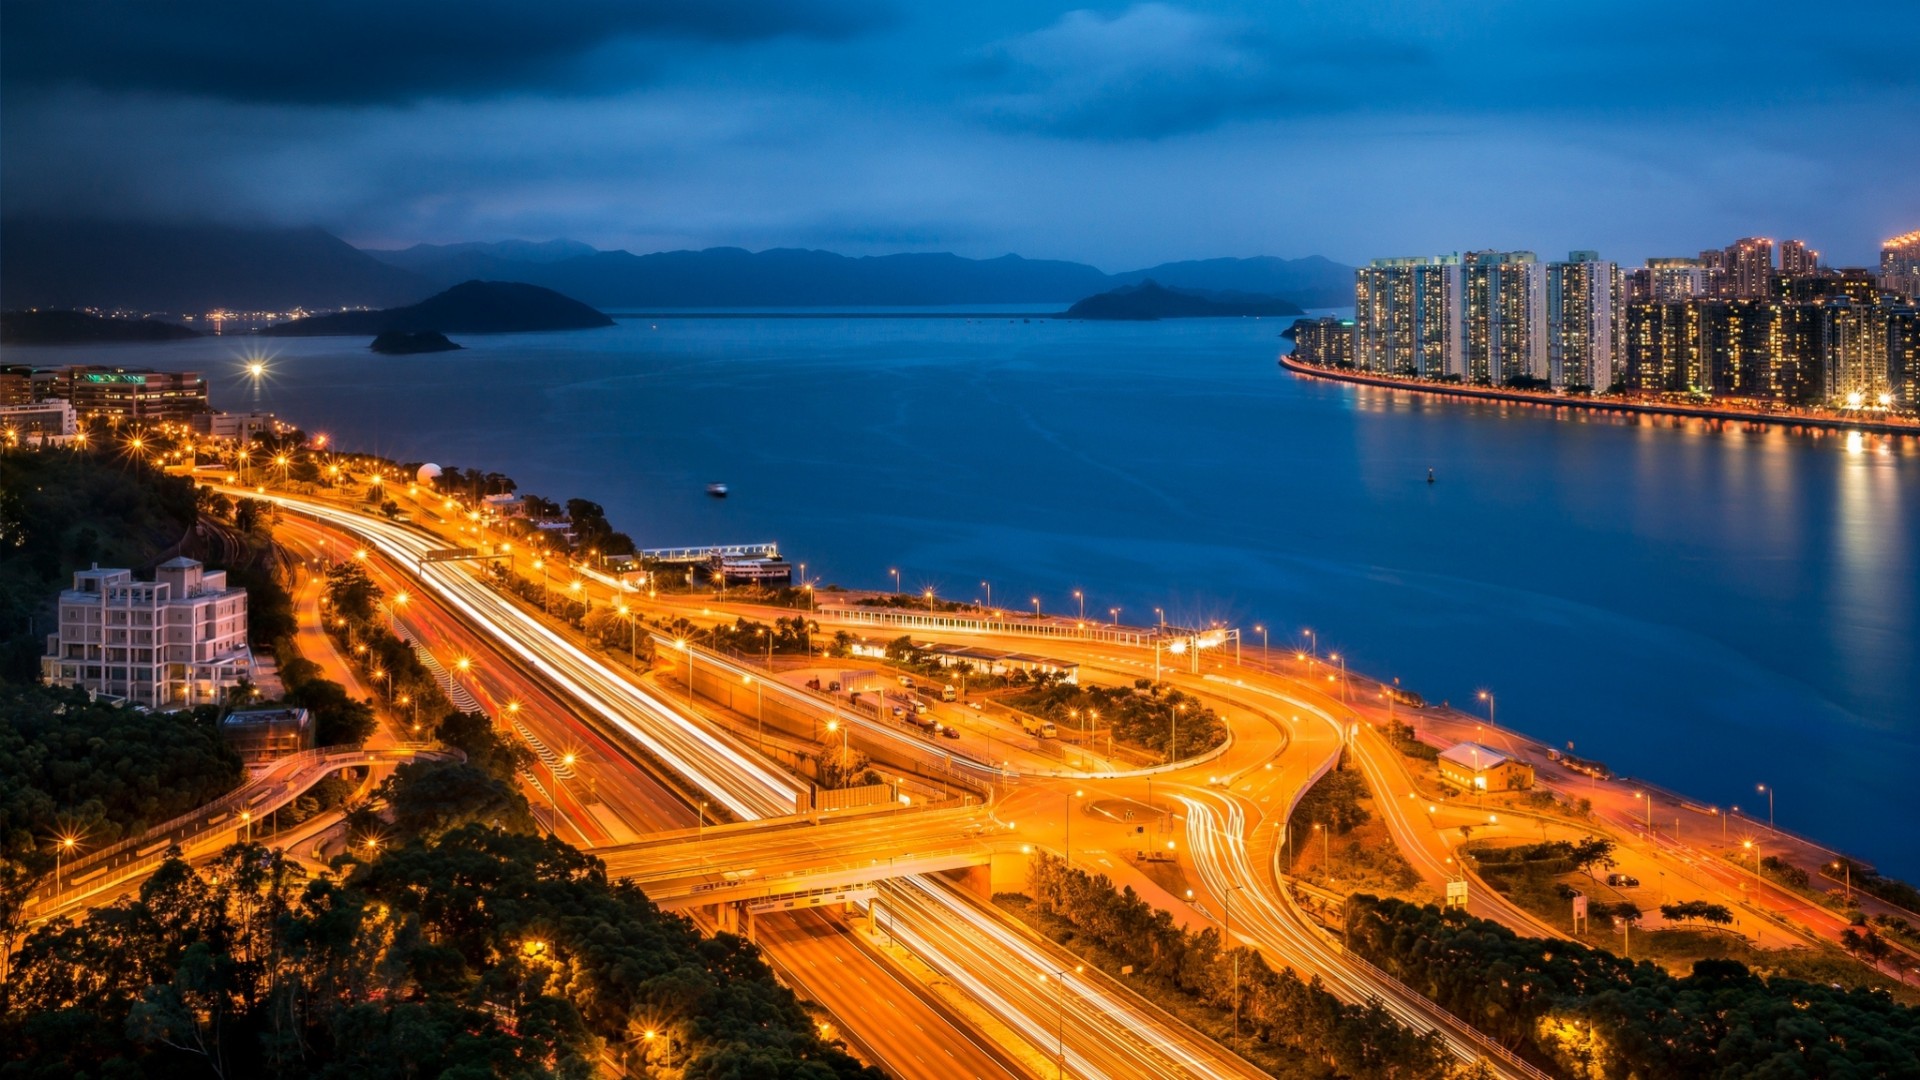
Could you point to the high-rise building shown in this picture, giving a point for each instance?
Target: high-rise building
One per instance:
(1506, 317)
(1749, 263)
(1580, 321)
(1407, 317)
(1903, 356)
(1325, 340)
(1798, 260)
(171, 643)
(1900, 265)
(16, 385)
(1670, 279)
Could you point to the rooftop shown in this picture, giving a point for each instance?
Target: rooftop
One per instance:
(1475, 756)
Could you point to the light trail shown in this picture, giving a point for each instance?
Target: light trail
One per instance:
(747, 788)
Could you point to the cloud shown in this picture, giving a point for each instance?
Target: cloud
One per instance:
(382, 51)
(1155, 70)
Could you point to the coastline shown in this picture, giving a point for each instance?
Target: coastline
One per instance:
(1642, 408)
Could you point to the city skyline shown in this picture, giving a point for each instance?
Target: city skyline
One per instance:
(872, 127)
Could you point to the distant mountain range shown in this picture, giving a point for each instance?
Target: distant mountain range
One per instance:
(48, 327)
(1151, 300)
(195, 268)
(191, 268)
(471, 307)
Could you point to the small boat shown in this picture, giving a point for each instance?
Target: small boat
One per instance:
(718, 491)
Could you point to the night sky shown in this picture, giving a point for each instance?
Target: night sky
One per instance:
(1121, 135)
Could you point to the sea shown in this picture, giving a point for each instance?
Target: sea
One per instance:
(1710, 607)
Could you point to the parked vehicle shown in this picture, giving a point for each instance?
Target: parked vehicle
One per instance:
(1623, 881)
(948, 731)
(946, 692)
(906, 681)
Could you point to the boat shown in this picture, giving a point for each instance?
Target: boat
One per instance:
(718, 491)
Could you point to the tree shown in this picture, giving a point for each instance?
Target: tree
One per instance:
(1593, 853)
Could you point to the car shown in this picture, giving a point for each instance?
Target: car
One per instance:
(1623, 881)
(975, 706)
(949, 731)
(833, 687)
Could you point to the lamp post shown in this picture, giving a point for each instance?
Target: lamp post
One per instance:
(1060, 1022)
(1748, 844)
(1261, 627)
(988, 585)
(1487, 696)
(567, 762)
(1846, 865)
(896, 580)
(246, 822)
(59, 854)
(1313, 643)
(1227, 903)
(1343, 673)
(1326, 849)
(1113, 616)
(1036, 607)
(1082, 597)
(1768, 788)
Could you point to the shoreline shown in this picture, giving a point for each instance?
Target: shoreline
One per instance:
(1603, 405)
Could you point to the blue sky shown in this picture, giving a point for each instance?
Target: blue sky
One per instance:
(1121, 135)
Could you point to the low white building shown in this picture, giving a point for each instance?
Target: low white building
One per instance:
(50, 421)
(170, 643)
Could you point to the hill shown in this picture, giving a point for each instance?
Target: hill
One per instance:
(1310, 282)
(789, 277)
(407, 342)
(473, 307)
(80, 328)
(50, 263)
(1151, 300)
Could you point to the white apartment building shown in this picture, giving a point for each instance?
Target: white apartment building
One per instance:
(171, 643)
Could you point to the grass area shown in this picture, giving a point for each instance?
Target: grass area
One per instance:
(1340, 843)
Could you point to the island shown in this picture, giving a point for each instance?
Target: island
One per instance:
(1151, 300)
(406, 342)
(36, 327)
(473, 307)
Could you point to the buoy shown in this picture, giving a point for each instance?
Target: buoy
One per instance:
(1429, 476)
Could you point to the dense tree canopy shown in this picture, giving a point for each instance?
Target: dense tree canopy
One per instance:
(100, 771)
(1590, 1013)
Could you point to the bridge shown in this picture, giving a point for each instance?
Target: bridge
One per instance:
(709, 552)
(227, 818)
(805, 860)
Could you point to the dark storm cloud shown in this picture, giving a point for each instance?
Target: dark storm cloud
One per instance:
(1155, 70)
(378, 51)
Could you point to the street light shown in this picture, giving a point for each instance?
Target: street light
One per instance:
(1261, 627)
(1082, 597)
(59, 853)
(988, 585)
(896, 580)
(1113, 616)
(1036, 607)
(1769, 790)
(1060, 988)
(1487, 696)
(566, 761)
(1848, 867)
(1313, 643)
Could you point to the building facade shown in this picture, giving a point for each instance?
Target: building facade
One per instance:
(52, 420)
(118, 395)
(1408, 317)
(1325, 340)
(1474, 767)
(1581, 318)
(171, 643)
(1506, 318)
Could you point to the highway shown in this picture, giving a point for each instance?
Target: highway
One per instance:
(893, 1021)
(749, 788)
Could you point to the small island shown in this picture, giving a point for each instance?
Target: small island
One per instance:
(473, 307)
(407, 342)
(1151, 300)
(79, 328)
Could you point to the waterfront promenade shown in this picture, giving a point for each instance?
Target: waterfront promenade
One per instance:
(1824, 421)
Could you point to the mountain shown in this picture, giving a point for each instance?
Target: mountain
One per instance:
(473, 307)
(1312, 282)
(1152, 300)
(191, 268)
(80, 328)
(780, 277)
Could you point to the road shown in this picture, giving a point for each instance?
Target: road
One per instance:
(896, 1023)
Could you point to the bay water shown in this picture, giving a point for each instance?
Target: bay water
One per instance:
(1707, 607)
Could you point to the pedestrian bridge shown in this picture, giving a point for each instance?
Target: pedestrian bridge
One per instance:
(708, 552)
